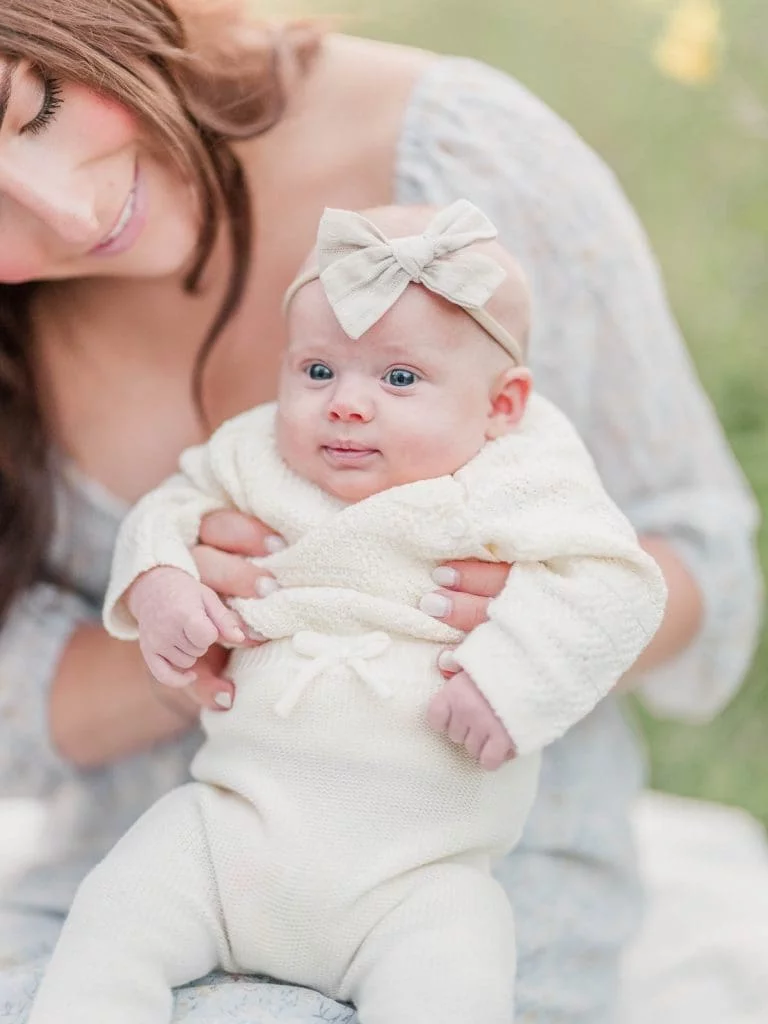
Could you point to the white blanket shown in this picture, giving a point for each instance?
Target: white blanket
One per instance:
(703, 953)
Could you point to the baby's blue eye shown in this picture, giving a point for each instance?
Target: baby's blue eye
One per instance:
(319, 371)
(400, 378)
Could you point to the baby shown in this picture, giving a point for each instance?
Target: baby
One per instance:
(343, 823)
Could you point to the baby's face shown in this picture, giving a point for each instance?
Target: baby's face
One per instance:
(411, 400)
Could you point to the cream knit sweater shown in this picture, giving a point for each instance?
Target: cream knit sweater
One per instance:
(580, 604)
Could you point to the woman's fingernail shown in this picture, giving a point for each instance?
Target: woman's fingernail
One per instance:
(444, 576)
(435, 605)
(266, 585)
(238, 634)
(223, 700)
(448, 662)
(273, 544)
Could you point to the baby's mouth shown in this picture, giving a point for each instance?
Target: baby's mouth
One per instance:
(347, 452)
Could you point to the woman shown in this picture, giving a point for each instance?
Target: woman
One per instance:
(162, 170)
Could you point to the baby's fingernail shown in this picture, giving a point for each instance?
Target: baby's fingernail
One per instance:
(448, 662)
(223, 700)
(273, 544)
(238, 634)
(435, 605)
(266, 585)
(254, 634)
(444, 576)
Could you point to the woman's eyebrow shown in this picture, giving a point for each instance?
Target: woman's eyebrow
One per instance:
(6, 81)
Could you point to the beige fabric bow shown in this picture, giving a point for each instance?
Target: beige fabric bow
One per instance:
(364, 273)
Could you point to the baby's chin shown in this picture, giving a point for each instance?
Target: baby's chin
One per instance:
(355, 485)
(352, 486)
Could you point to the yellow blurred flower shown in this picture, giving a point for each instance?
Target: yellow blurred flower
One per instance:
(689, 48)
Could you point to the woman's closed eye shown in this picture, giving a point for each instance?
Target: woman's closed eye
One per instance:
(51, 102)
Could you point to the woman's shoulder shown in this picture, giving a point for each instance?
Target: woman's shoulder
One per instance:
(455, 88)
(471, 128)
(472, 131)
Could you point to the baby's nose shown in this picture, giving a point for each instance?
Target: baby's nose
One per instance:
(350, 405)
(347, 413)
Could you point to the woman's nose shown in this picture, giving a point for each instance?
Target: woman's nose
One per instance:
(54, 202)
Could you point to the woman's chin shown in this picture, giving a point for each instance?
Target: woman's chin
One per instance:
(149, 263)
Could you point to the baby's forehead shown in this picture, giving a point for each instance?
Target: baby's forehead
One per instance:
(419, 321)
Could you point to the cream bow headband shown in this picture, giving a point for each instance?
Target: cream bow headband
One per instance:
(364, 273)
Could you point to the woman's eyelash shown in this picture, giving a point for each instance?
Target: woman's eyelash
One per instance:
(52, 100)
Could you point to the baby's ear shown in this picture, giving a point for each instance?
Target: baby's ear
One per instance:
(509, 397)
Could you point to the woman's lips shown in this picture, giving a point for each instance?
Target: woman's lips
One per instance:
(129, 224)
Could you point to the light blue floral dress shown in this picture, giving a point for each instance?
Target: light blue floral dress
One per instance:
(607, 351)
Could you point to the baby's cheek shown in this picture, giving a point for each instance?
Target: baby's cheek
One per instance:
(440, 445)
(425, 453)
(296, 442)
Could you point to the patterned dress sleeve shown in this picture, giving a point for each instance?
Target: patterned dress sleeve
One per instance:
(32, 641)
(605, 348)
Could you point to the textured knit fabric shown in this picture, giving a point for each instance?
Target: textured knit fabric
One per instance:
(329, 797)
(199, 881)
(580, 604)
(606, 350)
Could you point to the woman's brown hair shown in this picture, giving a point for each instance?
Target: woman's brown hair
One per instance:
(199, 74)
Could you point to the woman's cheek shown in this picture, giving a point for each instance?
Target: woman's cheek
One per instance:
(16, 269)
(100, 119)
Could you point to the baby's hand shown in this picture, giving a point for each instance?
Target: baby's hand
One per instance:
(460, 710)
(178, 619)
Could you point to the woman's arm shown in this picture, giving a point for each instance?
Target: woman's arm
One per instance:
(104, 705)
(606, 349)
(683, 615)
(476, 583)
(73, 698)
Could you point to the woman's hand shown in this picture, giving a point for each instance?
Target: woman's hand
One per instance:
(210, 691)
(466, 588)
(227, 540)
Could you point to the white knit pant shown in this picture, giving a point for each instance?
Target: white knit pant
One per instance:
(433, 947)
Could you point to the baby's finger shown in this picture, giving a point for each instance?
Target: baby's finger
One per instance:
(199, 633)
(439, 713)
(223, 618)
(176, 656)
(252, 636)
(167, 675)
(181, 659)
(458, 727)
(475, 742)
(496, 751)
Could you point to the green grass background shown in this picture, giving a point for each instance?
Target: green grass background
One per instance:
(695, 164)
